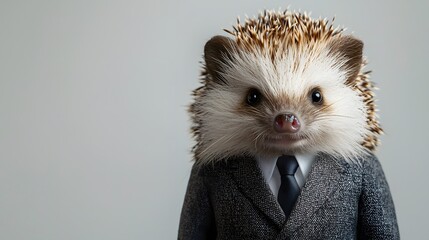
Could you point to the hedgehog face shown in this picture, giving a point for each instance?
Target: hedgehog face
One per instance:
(282, 99)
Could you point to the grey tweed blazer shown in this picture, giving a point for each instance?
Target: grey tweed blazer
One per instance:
(231, 200)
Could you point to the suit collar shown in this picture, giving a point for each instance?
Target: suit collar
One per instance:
(322, 181)
(252, 184)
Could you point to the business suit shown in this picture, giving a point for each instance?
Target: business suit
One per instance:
(231, 200)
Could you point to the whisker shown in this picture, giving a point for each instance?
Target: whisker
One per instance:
(257, 138)
(333, 115)
(224, 138)
(327, 106)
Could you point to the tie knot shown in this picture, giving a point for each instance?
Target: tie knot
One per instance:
(287, 165)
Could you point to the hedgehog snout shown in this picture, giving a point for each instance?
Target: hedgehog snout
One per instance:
(286, 123)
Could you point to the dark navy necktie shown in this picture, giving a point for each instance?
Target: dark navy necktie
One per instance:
(289, 189)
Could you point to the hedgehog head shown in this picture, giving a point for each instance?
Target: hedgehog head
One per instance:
(284, 84)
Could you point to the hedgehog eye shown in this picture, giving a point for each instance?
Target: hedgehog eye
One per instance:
(254, 97)
(316, 96)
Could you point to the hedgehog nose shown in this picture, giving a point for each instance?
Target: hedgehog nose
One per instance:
(286, 123)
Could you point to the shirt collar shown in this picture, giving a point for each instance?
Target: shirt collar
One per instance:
(268, 164)
(305, 161)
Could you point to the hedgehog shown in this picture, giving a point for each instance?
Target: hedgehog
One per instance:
(284, 62)
(286, 127)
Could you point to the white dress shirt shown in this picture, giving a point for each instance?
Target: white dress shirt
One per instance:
(271, 173)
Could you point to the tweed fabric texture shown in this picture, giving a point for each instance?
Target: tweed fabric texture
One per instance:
(231, 200)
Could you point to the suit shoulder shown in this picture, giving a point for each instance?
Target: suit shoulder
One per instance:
(371, 164)
(212, 169)
(366, 166)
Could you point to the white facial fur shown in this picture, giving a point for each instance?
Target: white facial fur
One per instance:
(231, 128)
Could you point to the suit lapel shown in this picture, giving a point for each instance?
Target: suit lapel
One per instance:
(322, 181)
(251, 183)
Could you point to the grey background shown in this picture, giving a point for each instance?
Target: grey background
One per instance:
(94, 139)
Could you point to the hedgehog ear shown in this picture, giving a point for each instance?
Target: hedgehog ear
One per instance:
(217, 55)
(351, 50)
